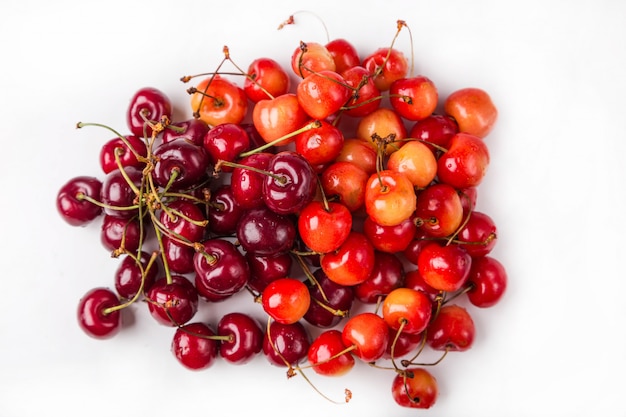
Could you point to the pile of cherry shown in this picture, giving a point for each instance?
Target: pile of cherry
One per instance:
(340, 193)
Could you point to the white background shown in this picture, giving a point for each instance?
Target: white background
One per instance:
(555, 344)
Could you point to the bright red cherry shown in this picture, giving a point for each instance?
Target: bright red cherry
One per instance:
(479, 234)
(415, 388)
(365, 96)
(265, 79)
(326, 357)
(194, 346)
(488, 281)
(452, 329)
(368, 333)
(438, 210)
(390, 239)
(286, 300)
(344, 54)
(436, 129)
(444, 267)
(324, 228)
(94, 316)
(386, 66)
(225, 142)
(414, 98)
(322, 94)
(320, 145)
(465, 162)
(473, 110)
(352, 262)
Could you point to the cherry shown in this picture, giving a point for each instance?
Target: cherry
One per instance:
(473, 110)
(97, 315)
(265, 269)
(192, 130)
(278, 118)
(221, 269)
(414, 248)
(286, 344)
(360, 153)
(323, 93)
(182, 219)
(479, 233)
(286, 300)
(324, 227)
(344, 54)
(291, 185)
(266, 79)
(452, 329)
(118, 192)
(487, 280)
(310, 58)
(465, 162)
(346, 181)
(179, 164)
(117, 234)
(386, 276)
(172, 302)
(320, 145)
(413, 279)
(438, 210)
(72, 200)
(384, 125)
(365, 96)
(352, 263)
(224, 212)
(444, 267)
(147, 104)
(216, 100)
(330, 302)
(386, 66)
(125, 150)
(436, 129)
(194, 347)
(414, 98)
(225, 142)
(390, 239)
(328, 356)
(415, 160)
(245, 338)
(401, 344)
(407, 310)
(415, 388)
(135, 274)
(389, 198)
(179, 256)
(246, 184)
(368, 334)
(264, 232)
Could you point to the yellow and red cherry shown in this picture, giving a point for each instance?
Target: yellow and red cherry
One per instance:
(360, 153)
(383, 124)
(346, 181)
(415, 388)
(328, 355)
(266, 79)
(444, 267)
(452, 329)
(414, 98)
(286, 300)
(217, 100)
(322, 94)
(323, 227)
(352, 263)
(320, 145)
(439, 210)
(365, 97)
(311, 57)
(415, 160)
(407, 310)
(487, 282)
(278, 118)
(389, 198)
(368, 334)
(473, 110)
(465, 162)
(344, 54)
(386, 66)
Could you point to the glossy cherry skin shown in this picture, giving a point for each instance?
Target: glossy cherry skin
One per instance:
(286, 300)
(352, 263)
(126, 156)
(118, 195)
(465, 163)
(479, 233)
(439, 210)
(322, 94)
(415, 160)
(265, 232)
(326, 357)
(382, 125)
(247, 185)
(177, 219)
(360, 153)
(444, 267)
(192, 130)
(225, 142)
(330, 302)
(386, 66)
(473, 110)
(415, 388)
(265, 269)
(452, 329)
(153, 104)
(414, 98)
(218, 100)
(286, 344)
(488, 280)
(402, 344)
(179, 256)
(246, 338)
(189, 161)
(75, 211)
(368, 333)
(221, 269)
(320, 145)
(278, 118)
(407, 310)
(347, 181)
(265, 79)
(366, 97)
(194, 347)
(293, 185)
(324, 229)
(132, 275)
(414, 280)
(92, 316)
(172, 304)
(344, 54)
(224, 212)
(117, 233)
(311, 57)
(389, 198)
(436, 129)
(390, 239)
(387, 275)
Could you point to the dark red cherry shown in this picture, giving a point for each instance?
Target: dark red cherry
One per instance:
(118, 194)
(93, 317)
(435, 129)
(147, 104)
(286, 344)
(265, 232)
(132, 275)
(194, 346)
(387, 275)
(184, 220)
(292, 184)
(330, 302)
(267, 268)
(72, 208)
(225, 142)
(181, 163)
(128, 156)
(179, 256)
(479, 234)
(117, 233)
(246, 338)
(172, 304)
(221, 269)
(247, 185)
(192, 129)
(224, 212)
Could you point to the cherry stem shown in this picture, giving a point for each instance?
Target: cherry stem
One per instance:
(312, 125)
(282, 179)
(82, 196)
(406, 363)
(403, 323)
(138, 156)
(291, 21)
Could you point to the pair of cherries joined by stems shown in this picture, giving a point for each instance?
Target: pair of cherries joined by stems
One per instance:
(339, 167)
